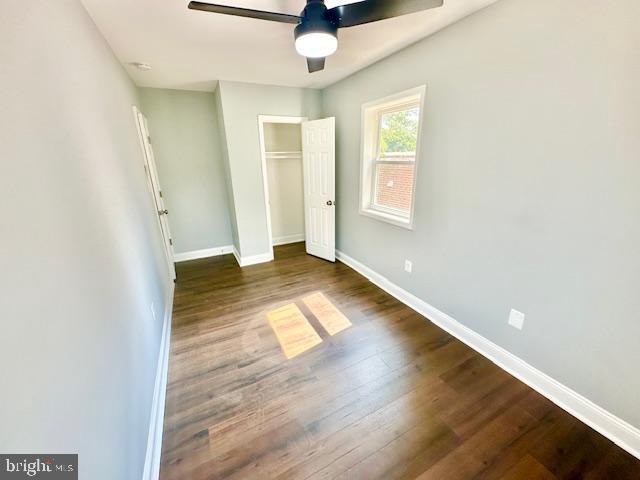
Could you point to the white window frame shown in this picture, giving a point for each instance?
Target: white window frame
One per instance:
(371, 116)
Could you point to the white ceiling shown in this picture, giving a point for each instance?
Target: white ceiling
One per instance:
(192, 50)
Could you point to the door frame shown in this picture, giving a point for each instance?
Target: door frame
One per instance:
(262, 119)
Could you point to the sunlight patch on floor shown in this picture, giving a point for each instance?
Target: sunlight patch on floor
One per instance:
(327, 314)
(293, 330)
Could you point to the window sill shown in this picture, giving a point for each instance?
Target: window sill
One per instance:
(388, 218)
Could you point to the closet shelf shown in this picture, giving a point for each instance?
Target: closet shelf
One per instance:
(283, 155)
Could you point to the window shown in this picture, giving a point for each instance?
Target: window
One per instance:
(390, 144)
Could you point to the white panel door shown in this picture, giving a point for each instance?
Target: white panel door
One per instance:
(319, 158)
(154, 188)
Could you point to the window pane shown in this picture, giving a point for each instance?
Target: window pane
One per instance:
(399, 133)
(394, 187)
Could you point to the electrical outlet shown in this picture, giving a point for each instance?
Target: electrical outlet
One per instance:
(408, 266)
(516, 319)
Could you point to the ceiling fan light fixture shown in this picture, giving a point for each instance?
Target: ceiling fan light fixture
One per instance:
(316, 37)
(316, 44)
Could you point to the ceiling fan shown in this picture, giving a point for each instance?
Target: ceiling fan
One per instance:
(316, 32)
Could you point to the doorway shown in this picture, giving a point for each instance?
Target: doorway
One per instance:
(154, 189)
(298, 160)
(283, 155)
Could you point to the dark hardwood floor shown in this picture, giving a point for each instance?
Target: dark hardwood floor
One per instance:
(392, 397)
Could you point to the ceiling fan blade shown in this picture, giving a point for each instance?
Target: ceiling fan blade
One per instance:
(245, 12)
(315, 64)
(373, 10)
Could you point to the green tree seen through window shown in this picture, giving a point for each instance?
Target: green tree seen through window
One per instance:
(399, 131)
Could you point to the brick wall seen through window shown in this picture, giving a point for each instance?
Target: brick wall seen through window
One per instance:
(394, 186)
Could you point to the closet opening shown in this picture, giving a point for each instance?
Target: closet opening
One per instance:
(282, 171)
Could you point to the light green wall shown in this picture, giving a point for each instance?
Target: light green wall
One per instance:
(185, 136)
(527, 192)
(241, 105)
(224, 152)
(80, 251)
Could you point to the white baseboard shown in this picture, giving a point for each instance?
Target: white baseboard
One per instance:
(205, 253)
(237, 255)
(252, 259)
(156, 423)
(288, 239)
(617, 430)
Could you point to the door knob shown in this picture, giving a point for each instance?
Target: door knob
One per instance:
(329, 202)
(163, 212)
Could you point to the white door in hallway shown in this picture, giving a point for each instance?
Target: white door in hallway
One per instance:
(318, 153)
(154, 187)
